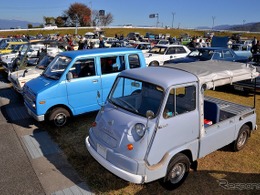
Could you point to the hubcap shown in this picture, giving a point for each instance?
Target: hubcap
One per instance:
(177, 172)
(60, 119)
(242, 139)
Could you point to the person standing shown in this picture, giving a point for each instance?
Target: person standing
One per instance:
(101, 42)
(255, 50)
(254, 42)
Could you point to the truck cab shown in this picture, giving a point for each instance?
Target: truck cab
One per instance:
(157, 121)
(70, 83)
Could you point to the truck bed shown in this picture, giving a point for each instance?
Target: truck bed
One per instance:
(225, 109)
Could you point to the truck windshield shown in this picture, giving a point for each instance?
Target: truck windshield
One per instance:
(136, 96)
(56, 67)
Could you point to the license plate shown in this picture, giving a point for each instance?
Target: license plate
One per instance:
(239, 88)
(102, 150)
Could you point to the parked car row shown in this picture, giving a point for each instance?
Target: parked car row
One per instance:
(154, 121)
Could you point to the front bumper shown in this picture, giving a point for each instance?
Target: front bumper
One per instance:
(31, 113)
(138, 179)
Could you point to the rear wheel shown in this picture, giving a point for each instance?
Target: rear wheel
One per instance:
(154, 63)
(178, 170)
(242, 138)
(59, 116)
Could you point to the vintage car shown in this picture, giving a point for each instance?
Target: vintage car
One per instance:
(144, 46)
(20, 77)
(8, 47)
(210, 53)
(160, 53)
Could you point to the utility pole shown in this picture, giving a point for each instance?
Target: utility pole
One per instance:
(157, 22)
(173, 14)
(91, 22)
(213, 21)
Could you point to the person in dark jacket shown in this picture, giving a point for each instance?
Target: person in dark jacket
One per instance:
(255, 50)
(101, 42)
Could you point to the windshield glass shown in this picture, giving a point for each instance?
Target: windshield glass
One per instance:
(4, 45)
(203, 54)
(16, 48)
(44, 62)
(57, 67)
(136, 96)
(158, 50)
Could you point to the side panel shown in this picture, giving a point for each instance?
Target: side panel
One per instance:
(217, 136)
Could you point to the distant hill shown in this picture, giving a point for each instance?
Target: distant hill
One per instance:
(7, 24)
(251, 27)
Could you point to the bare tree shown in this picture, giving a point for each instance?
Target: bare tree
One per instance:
(101, 20)
(78, 13)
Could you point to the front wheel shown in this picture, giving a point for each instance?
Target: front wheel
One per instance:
(59, 116)
(178, 170)
(242, 138)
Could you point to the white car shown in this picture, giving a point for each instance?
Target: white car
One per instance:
(144, 46)
(20, 77)
(160, 53)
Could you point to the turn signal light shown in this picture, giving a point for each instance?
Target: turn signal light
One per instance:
(130, 147)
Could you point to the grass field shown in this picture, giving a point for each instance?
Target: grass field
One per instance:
(230, 169)
(110, 32)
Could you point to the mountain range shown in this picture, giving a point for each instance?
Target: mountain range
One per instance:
(251, 27)
(7, 24)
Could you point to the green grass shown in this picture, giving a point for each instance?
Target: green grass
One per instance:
(235, 167)
(112, 31)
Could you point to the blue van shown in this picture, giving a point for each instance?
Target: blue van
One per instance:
(77, 82)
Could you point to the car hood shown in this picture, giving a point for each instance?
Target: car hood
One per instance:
(40, 83)
(26, 73)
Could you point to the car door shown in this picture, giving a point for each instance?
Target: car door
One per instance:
(178, 125)
(82, 88)
(175, 52)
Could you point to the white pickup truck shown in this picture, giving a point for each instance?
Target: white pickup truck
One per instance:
(157, 121)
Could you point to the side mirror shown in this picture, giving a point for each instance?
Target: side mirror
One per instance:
(149, 114)
(69, 76)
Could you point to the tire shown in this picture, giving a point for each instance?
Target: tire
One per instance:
(178, 170)
(242, 138)
(59, 116)
(154, 63)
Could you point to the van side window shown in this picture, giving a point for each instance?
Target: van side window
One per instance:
(180, 100)
(134, 61)
(112, 64)
(83, 68)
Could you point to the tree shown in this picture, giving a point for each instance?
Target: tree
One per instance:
(60, 21)
(78, 13)
(30, 25)
(101, 20)
(49, 20)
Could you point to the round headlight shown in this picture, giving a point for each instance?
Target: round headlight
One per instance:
(140, 129)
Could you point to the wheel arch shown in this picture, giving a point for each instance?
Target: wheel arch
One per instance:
(58, 106)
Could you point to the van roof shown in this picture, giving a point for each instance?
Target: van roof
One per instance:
(209, 73)
(97, 51)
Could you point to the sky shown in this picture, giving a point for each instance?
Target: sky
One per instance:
(173, 13)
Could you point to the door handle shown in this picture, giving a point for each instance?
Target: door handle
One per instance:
(94, 81)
